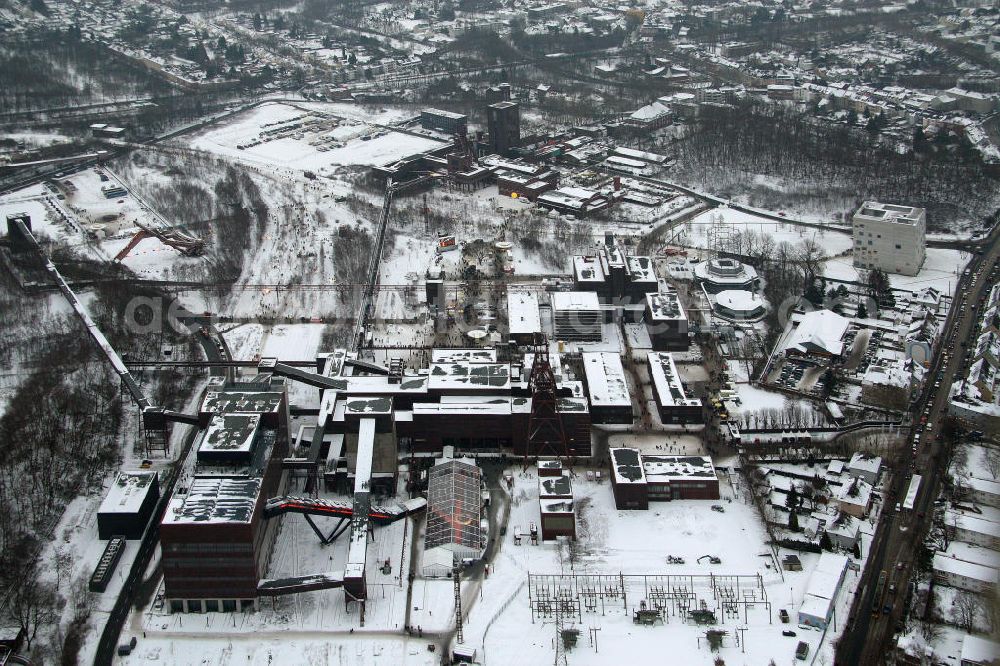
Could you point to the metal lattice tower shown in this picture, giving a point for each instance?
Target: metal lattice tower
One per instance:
(560, 659)
(546, 435)
(721, 235)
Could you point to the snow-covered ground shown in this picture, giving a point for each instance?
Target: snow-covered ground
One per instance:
(832, 240)
(354, 138)
(316, 627)
(941, 270)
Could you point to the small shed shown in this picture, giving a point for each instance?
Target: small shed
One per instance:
(437, 563)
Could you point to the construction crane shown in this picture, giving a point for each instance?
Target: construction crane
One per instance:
(185, 243)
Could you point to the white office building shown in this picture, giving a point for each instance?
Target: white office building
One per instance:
(890, 237)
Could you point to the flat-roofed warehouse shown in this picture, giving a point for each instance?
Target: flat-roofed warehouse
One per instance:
(672, 401)
(129, 505)
(607, 388)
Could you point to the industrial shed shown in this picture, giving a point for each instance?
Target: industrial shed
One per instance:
(454, 501)
(128, 506)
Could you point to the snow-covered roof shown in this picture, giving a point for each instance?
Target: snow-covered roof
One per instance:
(466, 375)
(626, 465)
(556, 505)
(555, 486)
(522, 311)
(665, 468)
(863, 462)
(964, 521)
(606, 383)
(970, 570)
(739, 300)
(655, 158)
(230, 433)
(214, 500)
(449, 355)
(128, 491)
(575, 300)
(862, 493)
(827, 576)
(641, 269)
(665, 306)
(669, 390)
(818, 331)
(588, 269)
(976, 650)
(983, 486)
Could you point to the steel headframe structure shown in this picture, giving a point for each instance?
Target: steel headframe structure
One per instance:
(546, 435)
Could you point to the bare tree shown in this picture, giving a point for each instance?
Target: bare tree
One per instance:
(931, 631)
(993, 461)
(811, 256)
(966, 610)
(32, 604)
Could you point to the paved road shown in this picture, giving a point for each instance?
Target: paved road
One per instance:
(870, 628)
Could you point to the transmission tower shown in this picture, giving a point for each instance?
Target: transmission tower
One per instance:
(546, 435)
(560, 659)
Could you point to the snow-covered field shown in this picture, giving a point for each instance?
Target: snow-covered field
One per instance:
(941, 270)
(354, 139)
(832, 240)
